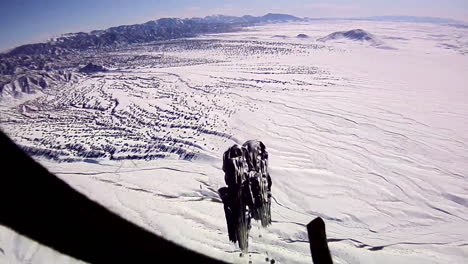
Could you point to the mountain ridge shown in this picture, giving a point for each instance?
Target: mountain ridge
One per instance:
(153, 30)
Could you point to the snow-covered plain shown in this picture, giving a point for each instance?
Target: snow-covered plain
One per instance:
(372, 138)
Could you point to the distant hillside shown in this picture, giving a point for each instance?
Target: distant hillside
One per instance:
(161, 29)
(353, 35)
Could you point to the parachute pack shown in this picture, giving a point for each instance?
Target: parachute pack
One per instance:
(248, 191)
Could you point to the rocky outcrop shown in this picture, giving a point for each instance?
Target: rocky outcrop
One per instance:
(34, 82)
(353, 35)
(92, 68)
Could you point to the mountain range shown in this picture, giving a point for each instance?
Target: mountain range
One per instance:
(161, 29)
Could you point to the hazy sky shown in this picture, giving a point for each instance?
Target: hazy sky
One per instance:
(28, 21)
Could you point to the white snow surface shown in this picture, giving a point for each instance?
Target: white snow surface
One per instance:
(373, 140)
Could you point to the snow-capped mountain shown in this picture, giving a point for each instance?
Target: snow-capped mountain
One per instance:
(161, 29)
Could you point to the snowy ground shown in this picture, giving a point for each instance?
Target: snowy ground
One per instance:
(371, 138)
